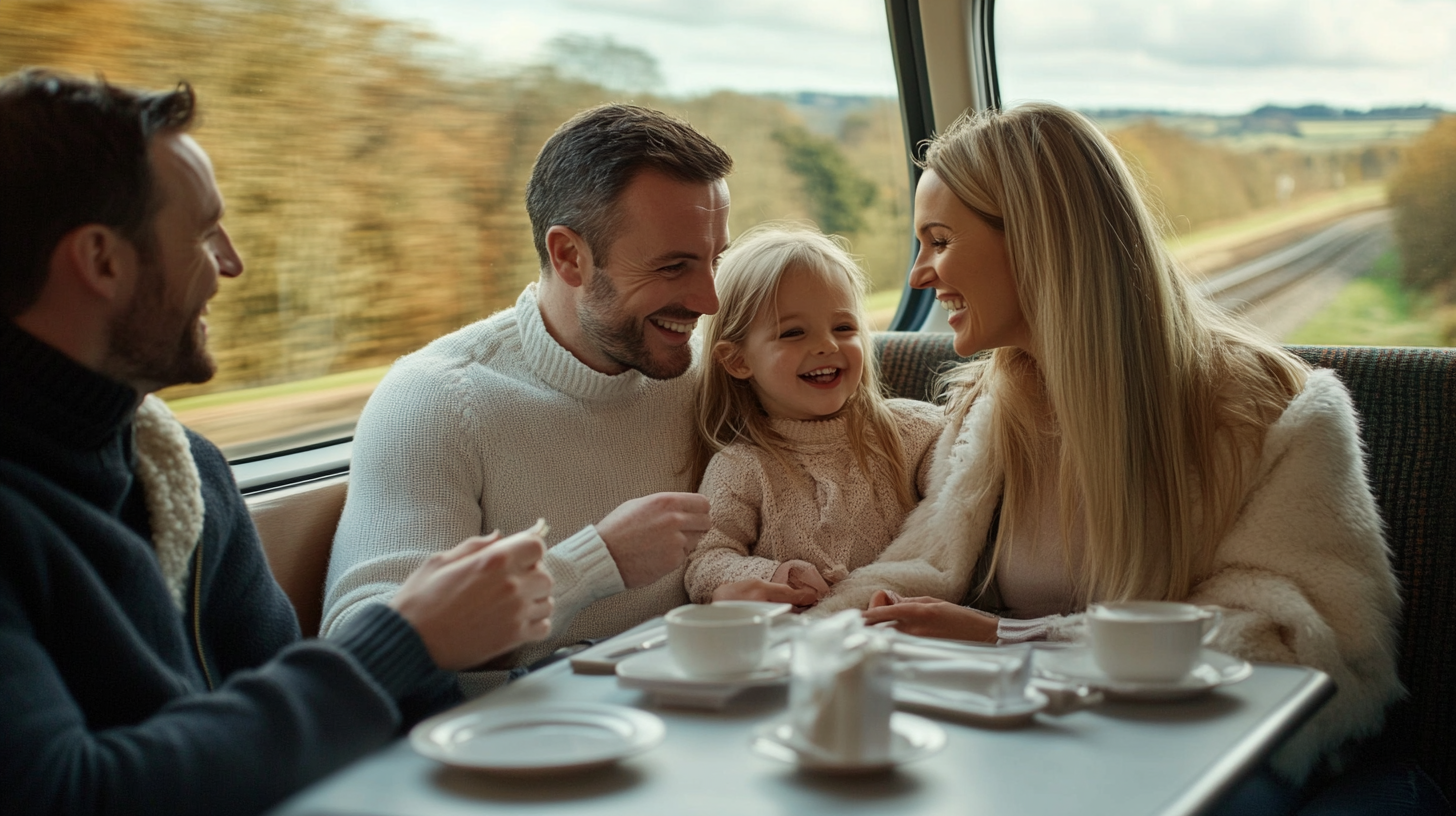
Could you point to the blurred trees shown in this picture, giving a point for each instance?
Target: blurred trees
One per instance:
(838, 194)
(605, 62)
(374, 188)
(1193, 182)
(1423, 195)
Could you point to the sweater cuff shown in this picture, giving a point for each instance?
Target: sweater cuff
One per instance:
(584, 571)
(388, 647)
(1052, 627)
(1010, 630)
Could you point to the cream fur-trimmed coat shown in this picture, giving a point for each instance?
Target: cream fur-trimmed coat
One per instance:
(1303, 575)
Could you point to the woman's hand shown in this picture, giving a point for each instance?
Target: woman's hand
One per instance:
(931, 617)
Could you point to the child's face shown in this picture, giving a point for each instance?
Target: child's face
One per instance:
(804, 355)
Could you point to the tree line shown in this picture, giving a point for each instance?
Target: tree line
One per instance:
(1423, 196)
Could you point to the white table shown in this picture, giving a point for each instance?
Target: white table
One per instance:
(1119, 759)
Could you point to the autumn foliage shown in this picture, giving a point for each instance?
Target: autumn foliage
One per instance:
(1423, 196)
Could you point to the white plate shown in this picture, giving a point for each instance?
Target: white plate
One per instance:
(1076, 665)
(530, 740)
(976, 708)
(911, 738)
(657, 670)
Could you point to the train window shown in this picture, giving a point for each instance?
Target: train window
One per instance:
(1302, 154)
(374, 155)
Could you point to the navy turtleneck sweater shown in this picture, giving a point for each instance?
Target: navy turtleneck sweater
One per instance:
(104, 702)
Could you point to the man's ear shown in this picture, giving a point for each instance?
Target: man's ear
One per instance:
(571, 258)
(98, 261)
(727, 356)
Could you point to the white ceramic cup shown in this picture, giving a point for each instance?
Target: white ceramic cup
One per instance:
(1149, 641)
(716, 640)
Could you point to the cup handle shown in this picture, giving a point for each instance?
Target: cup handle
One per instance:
(1212, 622)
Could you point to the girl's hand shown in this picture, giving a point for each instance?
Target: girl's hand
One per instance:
(757, 589)
(800, 575)
(931, 617)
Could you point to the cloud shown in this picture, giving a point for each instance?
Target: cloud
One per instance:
(1228, 56)
(1229, 33)
(835, 46)
(804, 16)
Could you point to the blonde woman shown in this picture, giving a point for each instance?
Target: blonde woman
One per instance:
(1125, 438)
(809, 470)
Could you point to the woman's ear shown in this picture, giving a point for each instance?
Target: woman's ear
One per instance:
(727, 356)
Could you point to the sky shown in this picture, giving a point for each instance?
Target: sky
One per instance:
(1216, 56)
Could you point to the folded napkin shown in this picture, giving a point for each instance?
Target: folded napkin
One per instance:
(840, 697)
(999, 676)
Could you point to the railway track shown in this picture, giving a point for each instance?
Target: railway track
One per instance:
(1341, 251)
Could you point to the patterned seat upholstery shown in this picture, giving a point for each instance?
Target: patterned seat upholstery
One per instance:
(1406, 398)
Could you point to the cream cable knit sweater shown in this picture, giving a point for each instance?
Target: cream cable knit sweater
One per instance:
(1304, 574)
(825, 512)
(489, 428)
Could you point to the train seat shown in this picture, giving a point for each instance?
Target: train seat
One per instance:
(1406, 398)
(296, 525)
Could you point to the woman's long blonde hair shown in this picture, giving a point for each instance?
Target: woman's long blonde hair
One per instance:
(1154, 399)
(748, 280)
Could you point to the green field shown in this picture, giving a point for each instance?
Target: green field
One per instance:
(1374, 310)
(366, 375)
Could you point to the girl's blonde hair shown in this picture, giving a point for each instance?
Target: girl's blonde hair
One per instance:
(748, 280)
(1154, 399)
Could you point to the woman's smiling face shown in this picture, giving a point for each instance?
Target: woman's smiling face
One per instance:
(964, 260)
(804, 355)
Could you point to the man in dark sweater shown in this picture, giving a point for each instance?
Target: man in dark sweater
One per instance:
(148, 661)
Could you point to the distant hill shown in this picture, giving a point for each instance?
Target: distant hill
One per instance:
(1311, 125)
(1275, 125)
(1304, 112)
(823, 113)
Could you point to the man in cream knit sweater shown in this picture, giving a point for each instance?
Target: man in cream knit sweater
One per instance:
(572, 406)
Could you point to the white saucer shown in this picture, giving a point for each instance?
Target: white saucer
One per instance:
(911, 738)
(534, 740)
(658, 670)
(976, 708)
(1076, 665)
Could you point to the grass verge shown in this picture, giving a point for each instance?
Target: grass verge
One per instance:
(1374, 310)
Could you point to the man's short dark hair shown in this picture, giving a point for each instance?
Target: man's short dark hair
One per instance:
(74, 152)
(589, 160)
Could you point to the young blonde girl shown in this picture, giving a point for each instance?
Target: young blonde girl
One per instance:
(808, 468)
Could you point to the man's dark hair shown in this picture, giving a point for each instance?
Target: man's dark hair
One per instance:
(74, 152)
(589, 160)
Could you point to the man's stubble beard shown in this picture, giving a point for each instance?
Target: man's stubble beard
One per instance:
(621, 338)
(145, 345)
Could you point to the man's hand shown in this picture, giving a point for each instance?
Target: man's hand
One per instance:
(649, 537)
(479, 600)
(931, 617)
(757, 589)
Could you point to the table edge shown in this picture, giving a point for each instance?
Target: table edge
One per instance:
(1302, 703)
